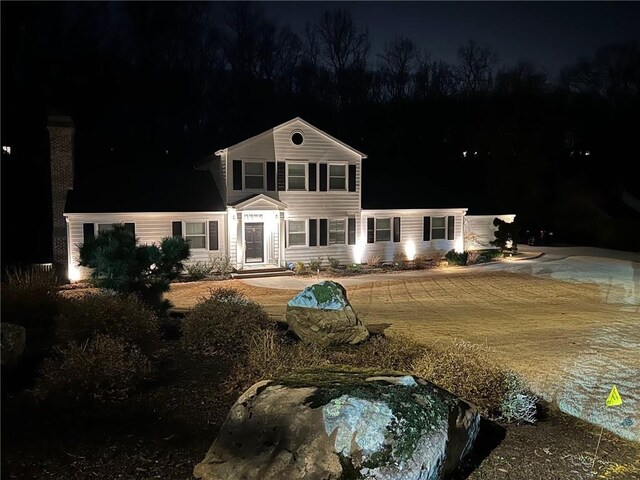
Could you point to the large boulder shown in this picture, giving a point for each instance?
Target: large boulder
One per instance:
(322, 314)
(13, 339)
(335, 424)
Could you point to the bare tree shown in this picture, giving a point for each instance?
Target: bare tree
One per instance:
(475, 67)
(523, 78)
(342, 47)
(398, 64)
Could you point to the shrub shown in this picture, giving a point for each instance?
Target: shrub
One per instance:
(333, 262)
(400, 259)
(473, 257)
(223, 324)
(315, 264)
(120, 264)
(518, 403)
(271, 354)
(199, 270)
(107, 313)
(103, 369)
(373, 260)
(455, 258)
(506, 234)
(299, 268)
(421, 261)
(469, 371)
(222, 265)
(354, 268)
(30, 299)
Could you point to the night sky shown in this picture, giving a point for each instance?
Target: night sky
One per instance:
(166, 84)
(550, 34)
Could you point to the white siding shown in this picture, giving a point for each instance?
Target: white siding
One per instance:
(411, 233)
(260, 148)
(479, 230)
(343, 252)
(150, 228)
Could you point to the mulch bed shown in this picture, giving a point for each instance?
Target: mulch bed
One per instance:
(165, 430)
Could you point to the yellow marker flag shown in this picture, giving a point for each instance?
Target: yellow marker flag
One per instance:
(614, 398)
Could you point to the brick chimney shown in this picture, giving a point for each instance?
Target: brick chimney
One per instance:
(61, 133)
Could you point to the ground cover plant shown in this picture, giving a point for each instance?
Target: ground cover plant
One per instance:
(160, 417)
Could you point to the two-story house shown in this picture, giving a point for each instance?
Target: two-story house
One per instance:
(291, 193)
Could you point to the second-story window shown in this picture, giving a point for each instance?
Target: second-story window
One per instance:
(254, 175)
(337, 177)
(296, 176)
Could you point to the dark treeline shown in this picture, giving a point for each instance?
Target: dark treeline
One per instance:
(168, 84)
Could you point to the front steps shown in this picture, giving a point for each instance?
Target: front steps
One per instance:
(262, 273)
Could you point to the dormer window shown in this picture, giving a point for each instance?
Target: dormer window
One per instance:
(254, 175)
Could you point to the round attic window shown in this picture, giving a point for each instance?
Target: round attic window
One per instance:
(297, 138)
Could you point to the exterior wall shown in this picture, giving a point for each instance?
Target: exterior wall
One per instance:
(260, 148)
(149, 227)
(411, 233)
(61, 133)
(479, 230)
(343, 252)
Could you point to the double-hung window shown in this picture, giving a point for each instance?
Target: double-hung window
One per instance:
(254, 175)
(297, 233)
(337, 177)
(438, 228)
(336, 232)
(296, 176)
(105, 227)
(383, 229)
(195, 233)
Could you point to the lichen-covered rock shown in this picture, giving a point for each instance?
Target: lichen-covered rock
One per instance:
(322, 314)
(13, 340)
(339, 424)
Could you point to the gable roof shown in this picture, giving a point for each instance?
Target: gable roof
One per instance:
(145, 190)
(258, 200)
(296, 119)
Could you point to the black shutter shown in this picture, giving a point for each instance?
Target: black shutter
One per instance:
(282, 172)
(450, 227)
(396, 229)
(324, 232)
(323, 177)
(131, 228)
(271, 176)
(237, 174)
(351, 231)
(352, 178)
(371, 230)
(426, 229)
(213, 235)
(88, 230)
(286, 236)
(313, 232)
(313, 177)
(176, 229)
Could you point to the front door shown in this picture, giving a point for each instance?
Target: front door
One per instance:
(254, 243)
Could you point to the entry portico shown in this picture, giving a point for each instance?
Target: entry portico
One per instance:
(256, 227)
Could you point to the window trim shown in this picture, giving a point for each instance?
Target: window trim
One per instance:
(345, 165)
(344, 231)
(264, 175)
(443, 228)
(375, 230)
(306, 176)
(306, 233)
(206, 233)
